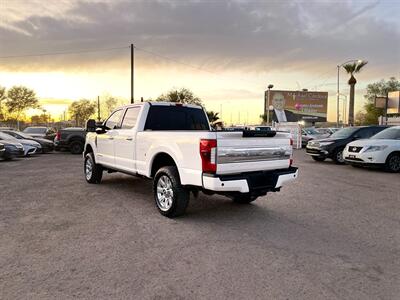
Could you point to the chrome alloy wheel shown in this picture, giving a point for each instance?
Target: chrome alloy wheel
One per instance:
(88, 168)
(394, 163)
(165, 194)
(339, 156)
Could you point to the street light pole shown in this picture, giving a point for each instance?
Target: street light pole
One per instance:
(270, 86)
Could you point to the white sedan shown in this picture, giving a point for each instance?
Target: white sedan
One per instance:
(382, 149)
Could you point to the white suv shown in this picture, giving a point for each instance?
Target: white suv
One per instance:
(382, 149)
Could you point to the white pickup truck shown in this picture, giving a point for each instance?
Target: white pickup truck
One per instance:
(174, 145)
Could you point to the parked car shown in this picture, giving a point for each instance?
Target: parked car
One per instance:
(41, 132)
(309, 134)
(327, 131)
(12, 149)
(2, 150)
(382, 150)
(72, 139)
(30, 147)
(262, 128)
(333, 146)
(174, 145)
(47, 146)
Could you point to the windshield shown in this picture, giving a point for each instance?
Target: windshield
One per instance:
(35, 130)
(311, 131)
(388, 134)
(344, 132)
(5, 136)
(22, 135)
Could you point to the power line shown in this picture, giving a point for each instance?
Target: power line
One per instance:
(175, 60)
(63, 52)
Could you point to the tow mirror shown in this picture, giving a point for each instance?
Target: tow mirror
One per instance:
(91, 125)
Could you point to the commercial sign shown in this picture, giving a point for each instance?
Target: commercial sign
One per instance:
(294, 106)
(394, 103)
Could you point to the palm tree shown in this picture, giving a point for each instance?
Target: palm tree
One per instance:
(352, 69)
(214, 119)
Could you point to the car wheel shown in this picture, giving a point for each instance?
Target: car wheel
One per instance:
(338, 156)
(170, 196)
(318, 158)
(76, 147)
(244, 198)
(393, 163)
(93, 171)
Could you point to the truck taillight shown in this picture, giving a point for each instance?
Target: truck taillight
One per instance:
(291, 162)
(291, 142)
(58, 136)
(208, 151)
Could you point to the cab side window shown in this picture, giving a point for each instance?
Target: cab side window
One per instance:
(113, 121)
(130, 117)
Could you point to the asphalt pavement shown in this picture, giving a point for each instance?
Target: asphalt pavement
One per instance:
(332, 234)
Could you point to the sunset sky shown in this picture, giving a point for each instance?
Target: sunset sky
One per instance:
(227, 52)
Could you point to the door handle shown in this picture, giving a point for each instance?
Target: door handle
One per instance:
(110, 138)
(129, 139)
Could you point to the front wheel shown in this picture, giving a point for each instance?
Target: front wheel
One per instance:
(244, 198)
(338, 157)
(93, 171)
(393, 163)
(170, 196)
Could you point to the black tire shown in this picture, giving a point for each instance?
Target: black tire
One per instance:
(338, 156)
(76, 147)
(96, 170)
(179, 199)
(244, 198)
(392, 163)
(318, 158)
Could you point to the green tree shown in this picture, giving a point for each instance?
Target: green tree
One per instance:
(213, 118)
(182, 95)
(82, 110)
(381, 88)
(352, 69)
(20, 98)
(3, 97)
(263, 118)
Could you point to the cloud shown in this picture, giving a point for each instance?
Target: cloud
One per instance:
(218, 36)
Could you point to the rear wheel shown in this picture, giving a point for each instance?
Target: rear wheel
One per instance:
(393, 163)
(76, 147)
(93, 171)
(318, 158)
(244, 198)
(170, 196)
(338, 156)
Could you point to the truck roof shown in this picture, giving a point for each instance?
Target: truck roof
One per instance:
(161, 103)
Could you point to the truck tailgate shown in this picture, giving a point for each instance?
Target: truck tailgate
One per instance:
(237, 154)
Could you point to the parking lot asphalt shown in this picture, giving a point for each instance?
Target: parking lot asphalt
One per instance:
(332, 234)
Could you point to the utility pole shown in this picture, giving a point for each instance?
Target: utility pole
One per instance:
(132, 72)
(98, 108)
(337, 97)
(270, 86)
